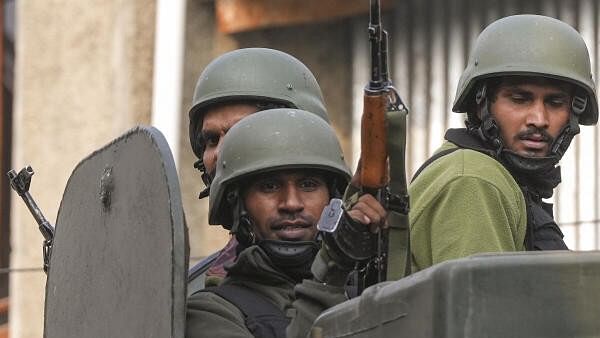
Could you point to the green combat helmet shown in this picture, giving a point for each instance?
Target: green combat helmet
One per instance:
(271, 140)
(260, 74)
(527, 45)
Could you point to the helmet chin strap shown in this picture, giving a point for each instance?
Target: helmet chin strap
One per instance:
(294, 258)
(489, 131)
(564, 138)
(206, 178)
(242, 226)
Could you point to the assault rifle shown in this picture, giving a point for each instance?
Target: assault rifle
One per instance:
(383, 138)
(20, 183)
(382, 152)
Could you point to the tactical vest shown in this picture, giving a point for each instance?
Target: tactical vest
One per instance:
(262, 318)
(542, 231)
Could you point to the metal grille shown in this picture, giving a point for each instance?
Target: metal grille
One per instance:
(429, 49)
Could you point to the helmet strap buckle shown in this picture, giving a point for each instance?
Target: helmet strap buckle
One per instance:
(579, 104)
(481, 94)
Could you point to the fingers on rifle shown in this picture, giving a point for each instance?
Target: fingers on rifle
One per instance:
(375, 206)
(359, 216)
(370, 212)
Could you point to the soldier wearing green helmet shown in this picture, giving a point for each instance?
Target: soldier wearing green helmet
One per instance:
(232, 86)
(276, 171)
(526, 89)
(256, 79)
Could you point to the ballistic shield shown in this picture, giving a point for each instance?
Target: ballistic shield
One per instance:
(119, 261)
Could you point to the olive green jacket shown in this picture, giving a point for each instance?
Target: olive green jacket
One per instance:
(464, 203)
(314, 297)
(209, 315)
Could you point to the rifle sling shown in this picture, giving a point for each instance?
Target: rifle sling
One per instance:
(399, 263)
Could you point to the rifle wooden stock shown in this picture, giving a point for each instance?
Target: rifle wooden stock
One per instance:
(373, 168)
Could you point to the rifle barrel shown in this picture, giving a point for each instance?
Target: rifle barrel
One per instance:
(375, 37)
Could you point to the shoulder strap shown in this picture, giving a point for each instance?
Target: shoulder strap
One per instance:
(432, 159)
(398, 258)
(248, 301)
(464, 140)
(542, 231)
(262, 317)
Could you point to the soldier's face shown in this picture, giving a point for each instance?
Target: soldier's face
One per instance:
(217, 121)
(286, 205)
(531, 114)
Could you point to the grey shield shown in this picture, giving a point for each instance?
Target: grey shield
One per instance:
(119, 261)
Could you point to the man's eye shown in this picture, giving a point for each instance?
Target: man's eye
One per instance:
(268, 186)
(210, 140)
(558, 102)
(310, 183)
(518, 98)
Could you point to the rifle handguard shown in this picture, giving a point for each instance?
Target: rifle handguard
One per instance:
(373, 152)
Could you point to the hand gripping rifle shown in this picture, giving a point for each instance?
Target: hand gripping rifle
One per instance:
(383, 138)
(20, 183)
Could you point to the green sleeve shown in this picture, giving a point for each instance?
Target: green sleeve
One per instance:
(209, 315)
(468, 215)
(312, 298)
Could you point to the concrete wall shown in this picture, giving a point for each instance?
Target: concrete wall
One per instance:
(83, 76)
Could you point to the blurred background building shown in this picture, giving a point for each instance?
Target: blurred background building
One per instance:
(76, 74)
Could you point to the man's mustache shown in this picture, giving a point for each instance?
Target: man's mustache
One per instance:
(531, 131)
(302, 220)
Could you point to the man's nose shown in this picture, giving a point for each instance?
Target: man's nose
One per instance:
(537, 115)
(291, 200)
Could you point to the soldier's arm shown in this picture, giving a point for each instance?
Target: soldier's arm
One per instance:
(467, 216)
